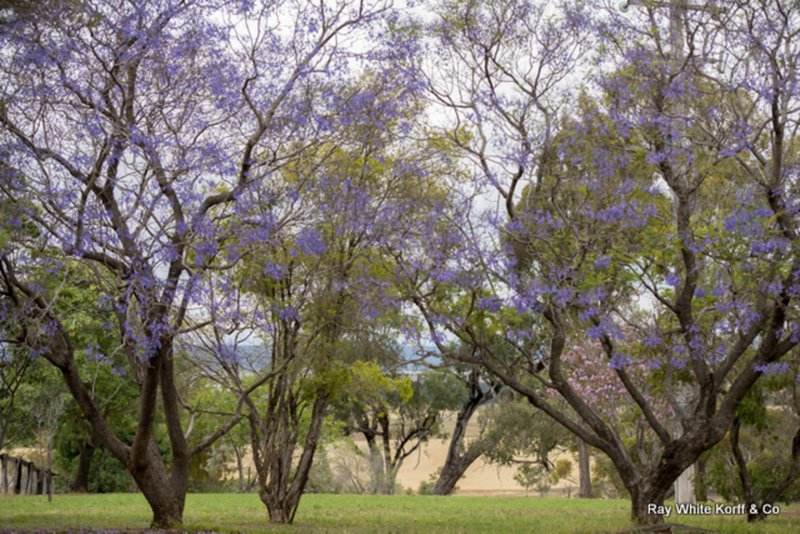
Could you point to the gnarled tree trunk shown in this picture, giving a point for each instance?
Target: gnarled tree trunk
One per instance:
(275, 439)
(647, 504)
(459, 455)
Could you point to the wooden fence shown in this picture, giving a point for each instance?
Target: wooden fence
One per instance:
(21, 477)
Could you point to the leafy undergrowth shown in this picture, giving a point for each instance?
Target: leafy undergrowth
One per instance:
(356, 513)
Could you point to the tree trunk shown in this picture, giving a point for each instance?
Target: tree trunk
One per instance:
(584, 470)
(167, 514)
(449, 477)
(460, 457)
(85, 453)
(281, 486)
(239, 468)
(3, 474)
(456, 464)
(390, 479)
(165, 494)
(280, 512)
(385, 478)
(376, 467)
(645, 505)
(700, 487)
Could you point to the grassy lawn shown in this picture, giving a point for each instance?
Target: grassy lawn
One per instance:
(355, 513)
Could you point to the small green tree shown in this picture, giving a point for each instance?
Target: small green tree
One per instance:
(751, 465)
(395, 414)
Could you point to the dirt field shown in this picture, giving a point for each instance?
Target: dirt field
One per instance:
(480, 479)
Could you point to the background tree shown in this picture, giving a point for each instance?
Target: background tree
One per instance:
(15, 370)
(473, 393)
(522, 436)
(760, 461)
(309, 286)
(396, 414)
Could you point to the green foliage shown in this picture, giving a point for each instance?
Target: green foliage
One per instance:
(320, 478)
(426, 486)
(18, 392)
(107, 475)
(562, 470)
(533, 476)
(368, 385)
(519, 432)
(606, 478)
(766, 444)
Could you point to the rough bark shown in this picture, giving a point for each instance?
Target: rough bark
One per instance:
(390, 464)
(584, 470)
(452, 472)
(163, 496)
(280, 486)
(376, 464)
(641, 500)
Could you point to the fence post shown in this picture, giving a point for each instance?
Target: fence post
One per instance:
(25, 476)
(33, 486)
(21, 477)
(13, 475)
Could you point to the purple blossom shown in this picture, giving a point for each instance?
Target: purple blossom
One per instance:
(492, 304)
(602, 262)
(653, 364)
(673, 279)
(94, 354)
(652, 340)
(311, 242)
(288, 313)
(699, 292)
(678, 362)
(606, 326)
(619, 360)
(718, 290)
(274, 270)
(770, 369)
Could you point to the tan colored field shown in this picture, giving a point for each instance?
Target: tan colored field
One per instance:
(481, 478)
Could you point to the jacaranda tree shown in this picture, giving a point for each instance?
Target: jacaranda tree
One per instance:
(313, 290)
(130, 132)
(644, 196)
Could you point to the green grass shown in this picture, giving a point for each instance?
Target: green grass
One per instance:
(355, 513)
